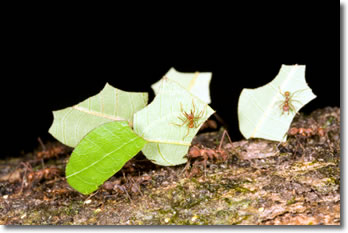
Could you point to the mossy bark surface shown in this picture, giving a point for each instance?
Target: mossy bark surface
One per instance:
(261, 183)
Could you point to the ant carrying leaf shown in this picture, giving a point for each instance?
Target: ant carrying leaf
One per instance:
(262, 110)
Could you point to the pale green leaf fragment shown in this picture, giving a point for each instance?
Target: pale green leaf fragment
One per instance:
(100, 154)
(197, 83)
(261, 111)
(71, 124)
(164, 125)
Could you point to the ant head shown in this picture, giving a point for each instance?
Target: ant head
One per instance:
(287, 93)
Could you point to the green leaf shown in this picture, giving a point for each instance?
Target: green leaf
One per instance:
(260, 110)
(159, 123)
(71, 124)
(197, 83)
(101, 154)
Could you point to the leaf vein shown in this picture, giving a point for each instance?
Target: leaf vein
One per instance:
(102, 158)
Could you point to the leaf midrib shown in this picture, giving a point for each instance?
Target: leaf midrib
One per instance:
(95, 113)
(102, 158)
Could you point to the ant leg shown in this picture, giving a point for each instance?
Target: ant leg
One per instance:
(281, 91)
(292, 107)
(202, 112)
(221, 140)
(44, 149)
(41, 143)
(223, 137)
(279, 102)
(181, 108)
(228, 136)
(282, 111)
(195, 123)
(281, 105)
(137, 186)
(205, 164)
(186, 168)
(184, 122)
(125, 190)
(295, 92)
(182, 119)
(27, 167)
(188, 129)
(205, 110)
(21, 164)
(182, 111)
(184, 114)
(297, 101)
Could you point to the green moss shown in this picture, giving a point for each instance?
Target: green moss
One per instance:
(332, 181)
(243, 190)
(242, 203)
(237, 219)
(291, 201)
(329, 121)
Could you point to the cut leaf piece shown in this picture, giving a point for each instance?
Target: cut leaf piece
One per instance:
(71, 124)
(101, 154)
(197, 83)
(164, 125)
(264, 112)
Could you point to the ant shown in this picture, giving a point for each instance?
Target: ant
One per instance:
(133, 187)
(190, 119)
(206, 154)
(46, 173)
(306, 132)
(29, 179)
(301, 134)
(286, 105)
(202, 154)
(51, 152)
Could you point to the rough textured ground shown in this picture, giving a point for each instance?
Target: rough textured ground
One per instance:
(261, 182)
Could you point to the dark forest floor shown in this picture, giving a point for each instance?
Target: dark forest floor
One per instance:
(259, 182)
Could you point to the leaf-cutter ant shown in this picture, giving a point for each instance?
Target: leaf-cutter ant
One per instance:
(286, 105)
(306, 132)
(190, 119)
(201, 155)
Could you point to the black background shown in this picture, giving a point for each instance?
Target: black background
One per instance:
(56, 61)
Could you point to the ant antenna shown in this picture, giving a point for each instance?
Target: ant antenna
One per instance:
(223, 137)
